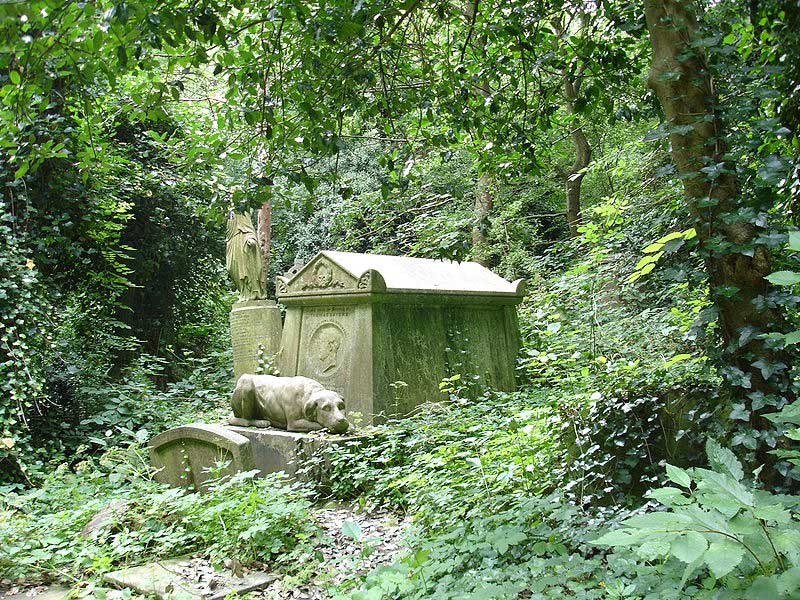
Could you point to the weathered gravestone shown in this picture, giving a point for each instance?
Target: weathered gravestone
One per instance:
(189, 455)
(358, 323)
(255, 320)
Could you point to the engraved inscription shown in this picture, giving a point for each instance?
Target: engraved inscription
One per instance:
(326, 313)
(246, 337)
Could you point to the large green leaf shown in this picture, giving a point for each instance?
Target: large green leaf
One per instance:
(794, 241)
(689, 546)
(678, 475)
(619, 537)
(668, 496)
(722, 459)
(723, 556)
(662, 521)
(783, 277)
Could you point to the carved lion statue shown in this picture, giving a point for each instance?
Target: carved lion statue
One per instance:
(291, 403)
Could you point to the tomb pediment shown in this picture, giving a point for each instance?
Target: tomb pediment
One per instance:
(325, 275)
(331, 272)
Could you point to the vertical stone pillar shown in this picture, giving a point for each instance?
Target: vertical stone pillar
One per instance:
(255, 333)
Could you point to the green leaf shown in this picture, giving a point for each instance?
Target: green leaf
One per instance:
(723, 556)
(14, 76)
(619, 537)
(794, 241)
(773, 512)
(647, 268)
(662, 521)
(721, 489)
(722, 459)
(670, 236)
(667, 496)
(652, 248)
(676, 359)
(787, 543)
(351, 529)
(678, 475)
(689, 546)
(783, 277)
(763, 588)
(789, 582)
(645, 260)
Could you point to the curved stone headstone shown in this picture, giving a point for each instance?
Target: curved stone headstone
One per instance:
(189, 455)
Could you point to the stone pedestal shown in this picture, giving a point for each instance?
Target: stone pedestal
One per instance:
(276, 450)
(255, 334)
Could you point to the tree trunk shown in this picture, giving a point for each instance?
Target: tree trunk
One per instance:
(484, 199)
(265, 238)
(583, 152)
(680, 77)
(574, 177)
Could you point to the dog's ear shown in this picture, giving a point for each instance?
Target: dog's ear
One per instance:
(310, 409)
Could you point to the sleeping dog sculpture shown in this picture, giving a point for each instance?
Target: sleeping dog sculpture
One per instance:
(291, 403)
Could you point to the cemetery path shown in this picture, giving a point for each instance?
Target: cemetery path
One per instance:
(355, 543)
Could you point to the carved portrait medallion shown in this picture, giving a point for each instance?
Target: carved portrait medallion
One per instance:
(326, 346)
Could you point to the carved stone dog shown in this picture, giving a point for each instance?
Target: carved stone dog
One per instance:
(291, 403)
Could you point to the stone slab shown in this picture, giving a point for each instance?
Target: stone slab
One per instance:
(398, 274)
(163, 580)
(189, 455)
(383, 331)
(255, 335)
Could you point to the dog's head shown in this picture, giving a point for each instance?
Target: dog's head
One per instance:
(327, 408)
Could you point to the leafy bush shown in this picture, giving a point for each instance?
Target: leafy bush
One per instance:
(518, 546)
(251, 520)
(630, 385)
(747, 538)
(498, 444)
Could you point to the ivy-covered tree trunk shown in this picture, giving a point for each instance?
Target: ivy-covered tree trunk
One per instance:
(735, 263)
(574, 177)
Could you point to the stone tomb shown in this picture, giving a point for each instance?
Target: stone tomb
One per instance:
(358, 323)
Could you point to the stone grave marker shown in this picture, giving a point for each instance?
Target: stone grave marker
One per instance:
(185, 455)
(359, 323)
(255, 320)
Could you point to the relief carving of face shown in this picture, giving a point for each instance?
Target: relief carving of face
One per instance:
(328, 344)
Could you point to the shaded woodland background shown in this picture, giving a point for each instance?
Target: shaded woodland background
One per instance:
(637, 163)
